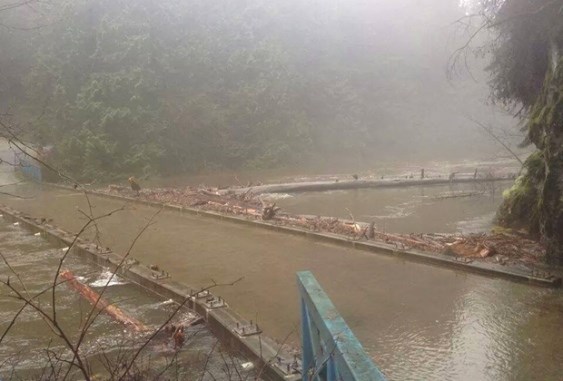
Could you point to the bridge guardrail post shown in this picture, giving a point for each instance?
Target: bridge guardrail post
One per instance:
(27, 167)
(330, 351)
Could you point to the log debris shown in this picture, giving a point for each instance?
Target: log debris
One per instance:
(102, 304)
(248, 204)
(268, 211)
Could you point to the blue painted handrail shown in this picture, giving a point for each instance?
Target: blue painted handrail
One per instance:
(27, 166)
(331, 352)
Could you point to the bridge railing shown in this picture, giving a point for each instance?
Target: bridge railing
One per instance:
(27, 166)
(330, 351)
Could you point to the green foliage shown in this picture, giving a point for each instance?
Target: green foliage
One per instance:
(546, 132)
(193, 85)
(520, 49)
(165, 87)
(520, 208)
(527, 71)
(547, 113)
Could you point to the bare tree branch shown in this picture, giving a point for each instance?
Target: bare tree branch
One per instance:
(489, 130)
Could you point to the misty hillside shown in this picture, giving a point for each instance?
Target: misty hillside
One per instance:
(180, 86)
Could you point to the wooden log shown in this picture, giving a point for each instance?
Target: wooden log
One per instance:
(92, 296)
(407, 240)
(219, 204)
(208, 193)
(433, 241)
(242, 209)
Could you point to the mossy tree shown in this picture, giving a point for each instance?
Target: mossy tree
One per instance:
(527, 76)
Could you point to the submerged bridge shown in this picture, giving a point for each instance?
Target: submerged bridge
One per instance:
(329, 349)
(380, 277)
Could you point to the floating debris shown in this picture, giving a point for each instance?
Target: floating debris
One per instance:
(107, 278)
(247, 366)
(94, 298)
(512, 246)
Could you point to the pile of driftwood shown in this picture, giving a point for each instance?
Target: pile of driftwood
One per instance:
(502, 247)
(201, 197)
(498, 247)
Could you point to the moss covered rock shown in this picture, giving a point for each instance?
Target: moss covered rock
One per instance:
(536, 199)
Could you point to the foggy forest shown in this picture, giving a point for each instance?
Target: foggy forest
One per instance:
(187, 138)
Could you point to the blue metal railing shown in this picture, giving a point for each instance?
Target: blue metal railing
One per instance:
(27, 166)
(331, 352)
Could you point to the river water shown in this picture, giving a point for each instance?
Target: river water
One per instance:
(418, 321)
(24, 353)
(26, 349)
(465, 208)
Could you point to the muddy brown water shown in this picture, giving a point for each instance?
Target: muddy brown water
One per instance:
(328, 170)
(23, 351)
(418, 321)
(464, 207)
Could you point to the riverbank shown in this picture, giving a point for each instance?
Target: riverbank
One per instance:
(505, 253)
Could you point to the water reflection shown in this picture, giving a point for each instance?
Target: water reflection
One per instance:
(486, 336)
